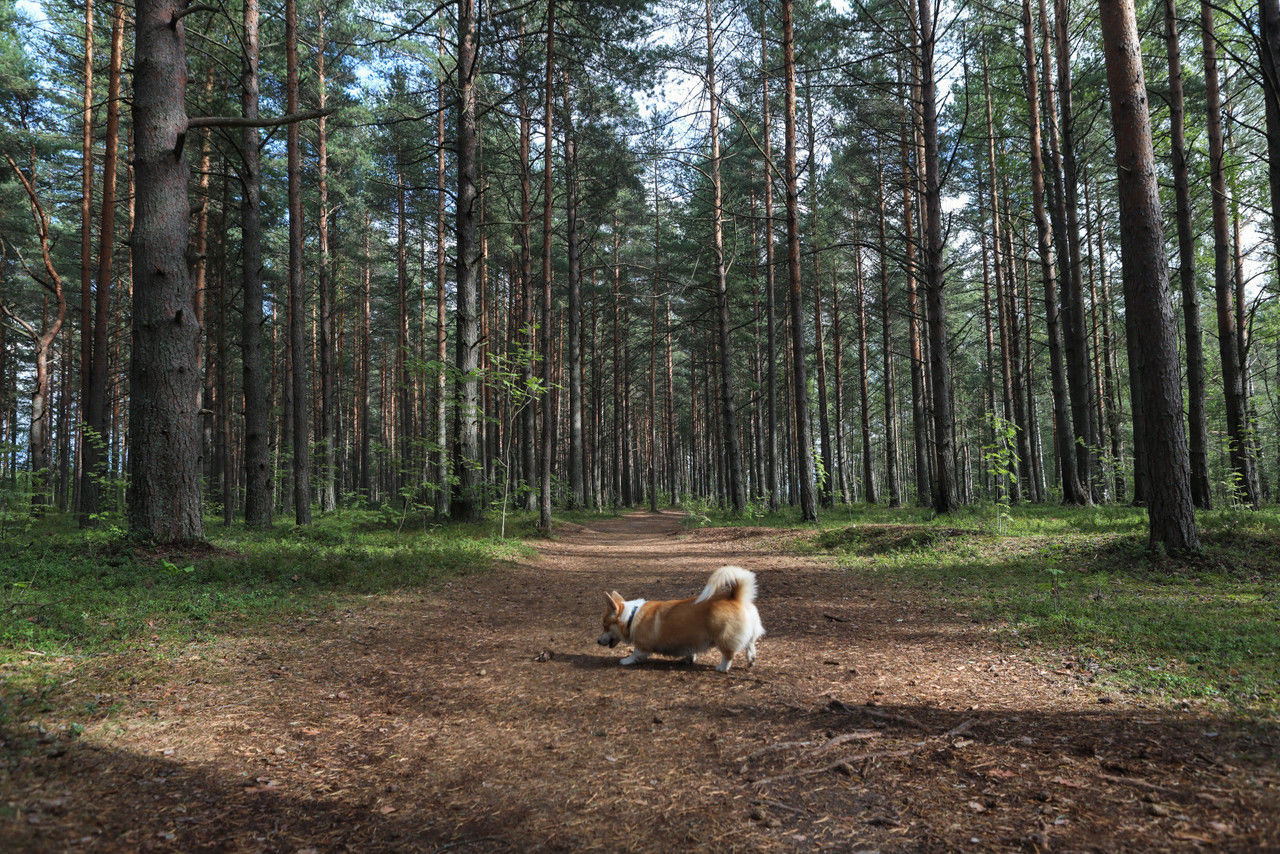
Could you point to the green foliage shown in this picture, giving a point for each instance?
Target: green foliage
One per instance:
(64, 591)
(1083, 582)
(1001, 462)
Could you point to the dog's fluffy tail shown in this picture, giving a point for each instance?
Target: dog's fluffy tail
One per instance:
(740, 583)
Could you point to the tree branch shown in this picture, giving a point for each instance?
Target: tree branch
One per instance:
(242, 122)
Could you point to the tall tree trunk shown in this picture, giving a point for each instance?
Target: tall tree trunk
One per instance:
(1008, 339)
(771, 348)
(577, 479)
(728, 407)
(441, 467)
(548, 187)
(827, 493)
(944, 482)
(1146, 285)
(528, 333)
(297, 298)
(1072, 492)
(93, 454)
(362, 368)
(892, 483)
(919, 406)
(468, 502)
(653, 348)
(837, 359)
(328, 391)
(1076, 335)
(164, 435)
(258, 469)
(673, 467)
(864, 402)
(86, 245)
(1244, 487)
(1269, 63)
(803, 443)
(1197, 422)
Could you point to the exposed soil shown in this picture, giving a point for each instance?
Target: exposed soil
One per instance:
(482, 716)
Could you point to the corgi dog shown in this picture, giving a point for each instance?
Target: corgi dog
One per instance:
(723, 615)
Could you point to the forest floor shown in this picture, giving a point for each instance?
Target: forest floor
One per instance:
(479, 714)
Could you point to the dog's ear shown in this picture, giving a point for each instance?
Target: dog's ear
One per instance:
(615, 598)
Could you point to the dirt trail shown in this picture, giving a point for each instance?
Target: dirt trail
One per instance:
(481, 716)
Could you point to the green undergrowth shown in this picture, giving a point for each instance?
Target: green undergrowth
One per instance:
(65, 593)
(1082, 583)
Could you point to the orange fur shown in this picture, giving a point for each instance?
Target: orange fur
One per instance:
(724, 616)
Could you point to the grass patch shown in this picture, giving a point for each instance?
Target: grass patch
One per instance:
(67, 593)
(1082, 581)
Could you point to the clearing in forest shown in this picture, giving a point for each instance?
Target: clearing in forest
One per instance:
(480, 715)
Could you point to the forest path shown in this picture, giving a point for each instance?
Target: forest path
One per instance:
(480, 715)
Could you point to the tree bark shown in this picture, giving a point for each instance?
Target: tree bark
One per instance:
(297, 297)
(93, 454)
(86, 245)
(258, 467)
(728, 407)
(1076, 337)
(468, 502)
(1244, 487)
(1146, 285)
(1197, 422)
(944, 481)
(548, 411)
(164, 435)
(577, 473)
(893, 485)
(803, 441)
(771, 347)
(1064, 434)
(328, 392)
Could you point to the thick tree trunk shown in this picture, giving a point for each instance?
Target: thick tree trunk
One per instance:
(1244, 487)
(800, 381)
(1146, 286)
(164, 434)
